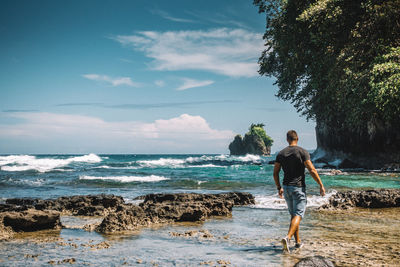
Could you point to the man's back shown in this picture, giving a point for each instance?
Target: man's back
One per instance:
(292, 160)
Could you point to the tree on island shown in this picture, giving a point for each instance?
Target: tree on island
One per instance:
(255, 141)
(338, 62)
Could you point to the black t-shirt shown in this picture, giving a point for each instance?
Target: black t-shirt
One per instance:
(292, 160)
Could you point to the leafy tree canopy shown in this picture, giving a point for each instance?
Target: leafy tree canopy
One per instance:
(258, 129)
(337, 61)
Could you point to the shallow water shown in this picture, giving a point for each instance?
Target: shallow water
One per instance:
(249, 238)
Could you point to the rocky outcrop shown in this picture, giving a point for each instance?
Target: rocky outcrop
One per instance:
(27, 214)
(27, 221)
(250, 144)
(376, 198)
(91, 205)
(166, 208)
(315, 261)
(31, 214)
(236, 147)
(31, 220)
(374, 146)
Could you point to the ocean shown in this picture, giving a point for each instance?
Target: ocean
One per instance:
(249, 238)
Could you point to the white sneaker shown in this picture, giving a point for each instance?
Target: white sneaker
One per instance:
(298, 245)
(285, 244)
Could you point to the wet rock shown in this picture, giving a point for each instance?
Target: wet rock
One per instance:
(315, 261)
(167, 208)
(64, 261)
(29, 214)
(31, 220)
(391, 167)
(239, 198)
(336, 172)
(90, 227)
(127, 218)
(223, 262)
(375, 198)
(5, 232)
(33, 256)
(193, 233)
(186, 207)
(91, 205)
(13, 207)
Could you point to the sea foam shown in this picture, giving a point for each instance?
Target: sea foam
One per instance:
(201, 161)
(27, 162)
(162, 162)
(126, 179)
(275, 202)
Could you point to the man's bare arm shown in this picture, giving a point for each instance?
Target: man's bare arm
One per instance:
(277, 169)
(315, 176)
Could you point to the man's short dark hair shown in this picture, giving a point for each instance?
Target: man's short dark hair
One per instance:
(292, 136)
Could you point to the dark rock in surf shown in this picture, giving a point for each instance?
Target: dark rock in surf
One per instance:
(31, 220)
(375, 198)
(91, 205)
(315, 261)
(23, 214)
(166, 208)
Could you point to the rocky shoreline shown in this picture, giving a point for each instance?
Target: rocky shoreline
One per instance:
(374, 198)
(325, 158)
(113, 215)
(27, 215)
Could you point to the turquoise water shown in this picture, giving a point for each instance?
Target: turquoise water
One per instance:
(249, 238)
(49, 176)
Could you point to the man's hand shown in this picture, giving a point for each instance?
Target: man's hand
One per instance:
(322, 190)
(280, 192)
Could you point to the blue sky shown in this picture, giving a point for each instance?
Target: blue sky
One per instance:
(135, 77)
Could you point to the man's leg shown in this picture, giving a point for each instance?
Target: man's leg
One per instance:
(297, 235)
(294, 228)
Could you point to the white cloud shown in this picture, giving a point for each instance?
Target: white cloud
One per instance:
(191, 133)
(190, 83)
(230, 52)
(112, 81)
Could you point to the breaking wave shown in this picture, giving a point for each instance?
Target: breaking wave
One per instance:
(203, 161)
(16, 163)
(274, 202)
(126, 179)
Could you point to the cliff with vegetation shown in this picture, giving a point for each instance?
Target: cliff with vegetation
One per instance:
(255, 141)
(338, 62)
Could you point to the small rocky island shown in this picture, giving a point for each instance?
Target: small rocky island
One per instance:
(255, 141)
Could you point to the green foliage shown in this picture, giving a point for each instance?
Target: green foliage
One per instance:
(337, 61)
(258, 129)
(385, 84)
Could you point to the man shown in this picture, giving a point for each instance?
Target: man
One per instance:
(293, 159)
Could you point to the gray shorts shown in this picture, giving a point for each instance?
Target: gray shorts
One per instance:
(296, 199)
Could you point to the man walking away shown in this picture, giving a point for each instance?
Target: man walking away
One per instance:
(293, 159)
